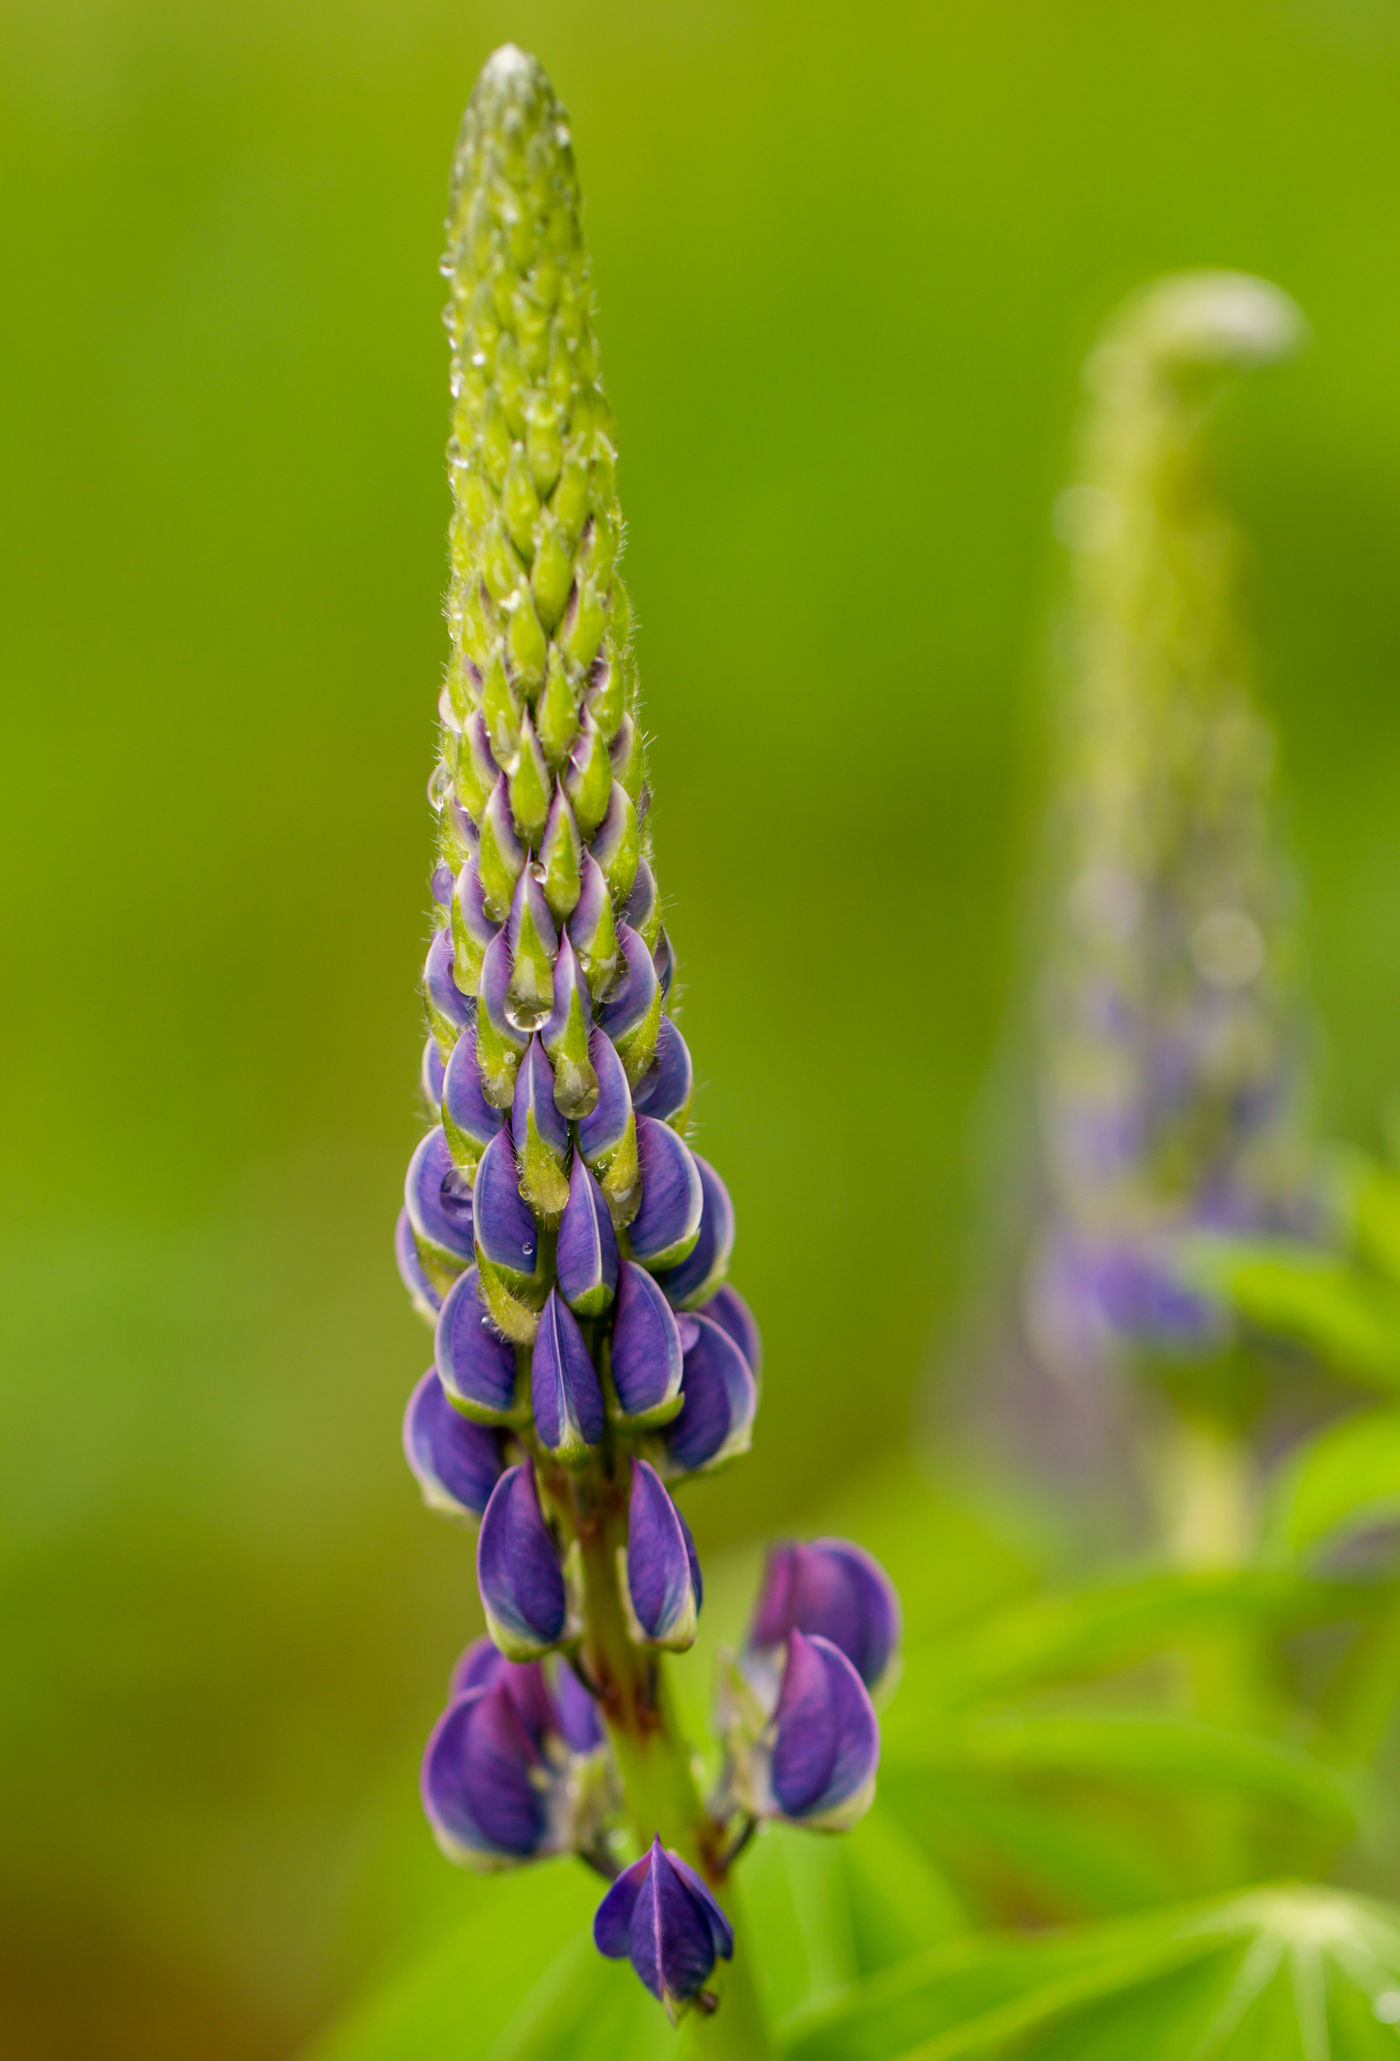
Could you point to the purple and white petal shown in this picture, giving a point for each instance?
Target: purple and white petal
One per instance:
(518, 1571)
(662, 1573)
(586, 1258)
(718, 1400)
(667, 1223)
(425, 1297)
(439, 1198)
(664, 1090)
(456, 1463)
(506, 1231)
(475, 1365)
(566, 1394)
(695, 1278)
(646, 1346)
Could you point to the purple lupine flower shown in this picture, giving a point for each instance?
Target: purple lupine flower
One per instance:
(558, 1226)
(689, 1283)
(831, 1588)
(727, 1308)
(646, 1347)
(718, 1399)
(439, 1202)
(518, 1572)
(585, 1258)
(475, 1365)
(566, 1394)
(469, 1121)
(667, 1222)
(425, 1297)
(663, 1588)
(660, 1916)
(506, 1233)
(822, 1748)
(665, 1089)
(456, 1463)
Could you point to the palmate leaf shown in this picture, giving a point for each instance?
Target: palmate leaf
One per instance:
(1346, 1479)
(1279, 1974)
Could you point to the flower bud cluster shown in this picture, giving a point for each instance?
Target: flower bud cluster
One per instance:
(565, 1241)
(1169, 1084)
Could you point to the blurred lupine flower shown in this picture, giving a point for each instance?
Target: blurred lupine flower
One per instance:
(661, 1917)
(1171, 1071)
(567, 1245)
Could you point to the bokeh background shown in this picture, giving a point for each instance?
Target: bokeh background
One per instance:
(847, 262)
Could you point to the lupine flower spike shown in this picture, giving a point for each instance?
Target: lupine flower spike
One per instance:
(558, 1232)
(1171, 1068)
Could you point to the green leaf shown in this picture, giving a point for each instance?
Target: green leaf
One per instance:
(1279, 1974)
(1094, 1629)
(1350, 1319)
(1345, 1479)
(1152, 1751)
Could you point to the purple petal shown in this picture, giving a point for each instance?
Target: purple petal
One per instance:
(664, 960)
(592, 909)
(528, 901)
(445, 998)
(667, 1222)
(671, 1938)
(604, 1130)
(834, 1589)
(464, 1103)
(612, 1920)
(474, 1363)
(517, 1569)
(642, 910)
(586, 1256)
(661, 1582)
(506, 1230)
(471, 908)
(646, 1347)
(664, 1090)
(564, 1387)
(426, 1299)
(441, 885)
(483, 1667)
(826, 1744)
(696, 1275)
(534, 1099)
(432, 1074)
(439, 1198)
(493, 986)
(721, 1931)
(477, 1784)
(569, 987)
(718, 1401)
(727, 1308)
(629, 1000)
(457, 1464)
(578, 1723)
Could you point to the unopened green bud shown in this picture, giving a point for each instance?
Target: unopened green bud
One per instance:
(556, 713)
(607, 700)
(589, 778)
(561, 854)
(500, 707)
(629, 761)
(617, 846)
(531, 788)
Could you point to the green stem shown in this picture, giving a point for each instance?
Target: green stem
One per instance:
(654, 1764)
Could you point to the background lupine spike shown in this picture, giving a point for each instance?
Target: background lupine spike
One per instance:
(555, 1219)
(1171, 1066)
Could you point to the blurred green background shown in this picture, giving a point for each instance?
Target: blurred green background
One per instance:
(847, 261)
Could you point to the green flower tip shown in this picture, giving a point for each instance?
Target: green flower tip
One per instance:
(514, 128)
(1195, 322)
